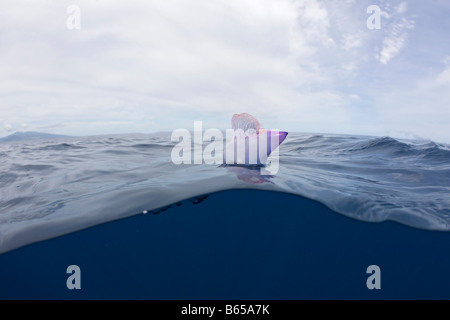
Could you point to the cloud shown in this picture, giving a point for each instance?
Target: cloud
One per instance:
(402, 7)
(395, 41)
(443, 78)
(406, 111)
(170, 61)
(397, 34)
(352, 41)
(7, 127)
(300, 65)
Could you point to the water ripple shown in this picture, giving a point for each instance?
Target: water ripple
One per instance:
(51, 188)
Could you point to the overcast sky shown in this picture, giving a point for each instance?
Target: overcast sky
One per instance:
(146, 66)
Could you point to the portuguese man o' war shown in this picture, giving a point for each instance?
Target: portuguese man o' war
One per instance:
(251, 144)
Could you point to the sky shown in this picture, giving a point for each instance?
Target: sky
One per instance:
(296, 65)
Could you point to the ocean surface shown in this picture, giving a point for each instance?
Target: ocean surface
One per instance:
(224, 232)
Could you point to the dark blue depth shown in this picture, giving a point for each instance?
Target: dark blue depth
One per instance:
(238, 244)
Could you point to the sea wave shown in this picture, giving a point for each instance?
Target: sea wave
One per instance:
(56, 186)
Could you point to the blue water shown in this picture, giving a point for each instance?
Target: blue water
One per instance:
(305, 232)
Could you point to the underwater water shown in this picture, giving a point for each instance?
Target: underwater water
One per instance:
(304, 232)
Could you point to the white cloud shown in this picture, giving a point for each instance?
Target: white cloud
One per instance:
(141, 60)
(303, 65)
(402, 7)
(420, 110)
(444, 77)
(7, 127)
(352, 41)
(396, 38)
